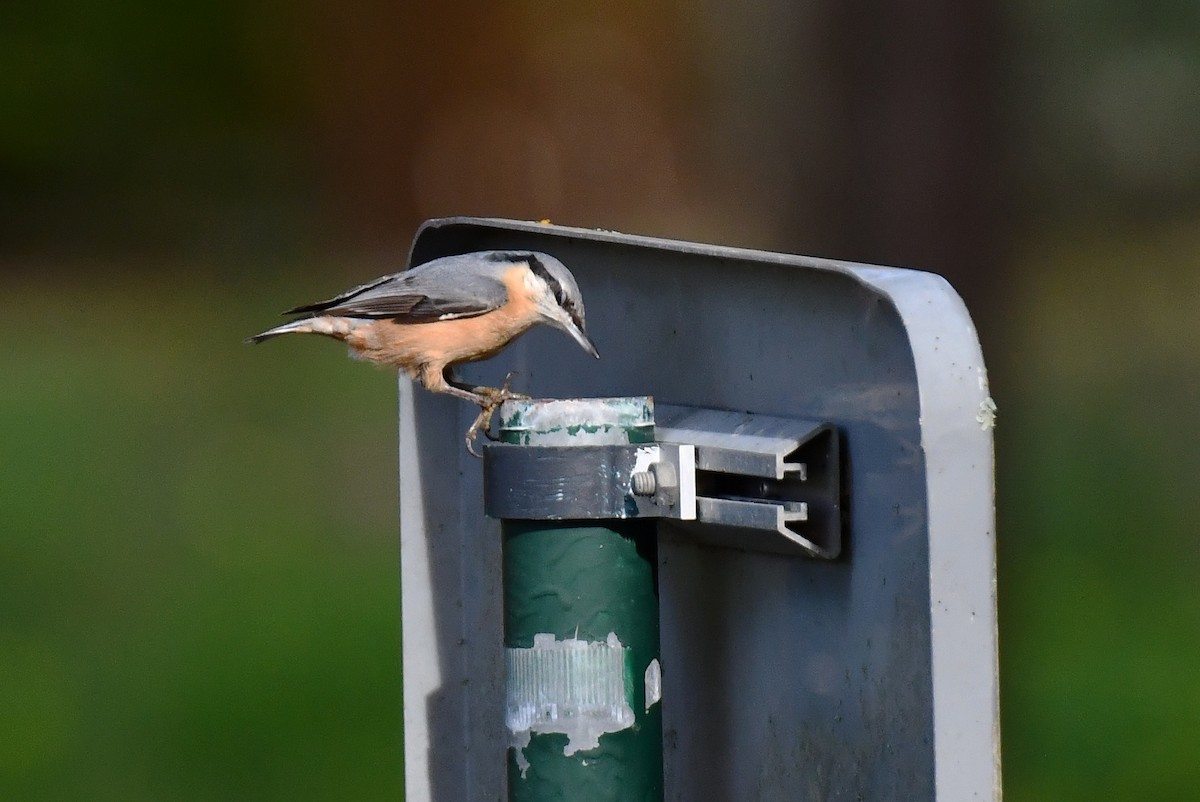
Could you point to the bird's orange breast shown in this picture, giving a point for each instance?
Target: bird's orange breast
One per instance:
(411, 346)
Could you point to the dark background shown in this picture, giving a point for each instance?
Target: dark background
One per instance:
(198, 560)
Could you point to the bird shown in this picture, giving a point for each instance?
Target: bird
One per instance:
(456, 309)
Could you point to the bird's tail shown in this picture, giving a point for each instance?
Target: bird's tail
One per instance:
(336, 327)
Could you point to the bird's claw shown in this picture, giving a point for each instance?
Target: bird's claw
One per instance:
(508, 395)
(492, 399)
(484, 422)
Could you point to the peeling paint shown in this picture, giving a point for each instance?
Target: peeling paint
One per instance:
(518, 742)
(645, 456)
(557, 422)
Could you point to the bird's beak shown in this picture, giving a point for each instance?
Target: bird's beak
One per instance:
(589, 346)
(580, 336)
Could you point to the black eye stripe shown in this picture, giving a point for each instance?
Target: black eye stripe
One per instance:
(541, 272)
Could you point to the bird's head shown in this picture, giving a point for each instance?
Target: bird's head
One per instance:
(556, 297)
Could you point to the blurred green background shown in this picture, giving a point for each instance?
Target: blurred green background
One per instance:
(198, 560)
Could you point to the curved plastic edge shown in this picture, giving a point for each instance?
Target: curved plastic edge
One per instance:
(957, 418)
(851, 269)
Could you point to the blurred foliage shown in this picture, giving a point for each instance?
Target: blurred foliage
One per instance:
(1098, 559)
(197, 571)
(138, 125)
(1104, 108)
(197, 539)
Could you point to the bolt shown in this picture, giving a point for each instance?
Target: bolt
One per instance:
(644, 483)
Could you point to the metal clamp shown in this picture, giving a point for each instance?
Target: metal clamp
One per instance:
(731, 479)
(560, 483)
(763, 483)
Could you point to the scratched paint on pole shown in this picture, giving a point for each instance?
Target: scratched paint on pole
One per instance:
(581, 638)
(582, 583)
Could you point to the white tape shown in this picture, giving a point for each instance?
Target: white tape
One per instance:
(575, 687)
(653, 684)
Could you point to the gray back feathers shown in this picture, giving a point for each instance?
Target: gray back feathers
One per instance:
(463, 285)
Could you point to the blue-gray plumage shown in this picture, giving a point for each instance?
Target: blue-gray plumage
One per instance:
(453, 286)
(455, 309)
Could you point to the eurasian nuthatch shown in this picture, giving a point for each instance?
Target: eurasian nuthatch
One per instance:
(455, 309)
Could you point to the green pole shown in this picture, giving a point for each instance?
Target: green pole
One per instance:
(581, 628)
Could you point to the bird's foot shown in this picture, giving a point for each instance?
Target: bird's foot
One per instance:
(493, 398)
(502, 393)
(511, 396)
(499, 397)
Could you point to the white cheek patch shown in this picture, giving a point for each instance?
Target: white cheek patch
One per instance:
(534, 283)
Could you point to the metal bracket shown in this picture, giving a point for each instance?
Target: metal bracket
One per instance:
(561, 483)
(763, 483)
(738, 480)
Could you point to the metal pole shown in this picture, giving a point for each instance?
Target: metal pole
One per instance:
(581, 628)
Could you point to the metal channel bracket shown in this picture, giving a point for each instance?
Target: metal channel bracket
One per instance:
(733, 479)
(763, 483)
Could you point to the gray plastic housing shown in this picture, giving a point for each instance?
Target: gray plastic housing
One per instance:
(871, 676)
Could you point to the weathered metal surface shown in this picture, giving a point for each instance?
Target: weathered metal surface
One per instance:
(578, 421)
(736, 442)
(760, 473)
(586, 482)
(872, 676)
(730, 472)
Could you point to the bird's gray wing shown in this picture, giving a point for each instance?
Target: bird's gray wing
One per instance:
(446, 288)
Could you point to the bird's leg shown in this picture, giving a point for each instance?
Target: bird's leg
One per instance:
(500, 396)
(466, 395)
(489, 400)
(483, 423)
(437, 381)
(480, 390)
(452, 381)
